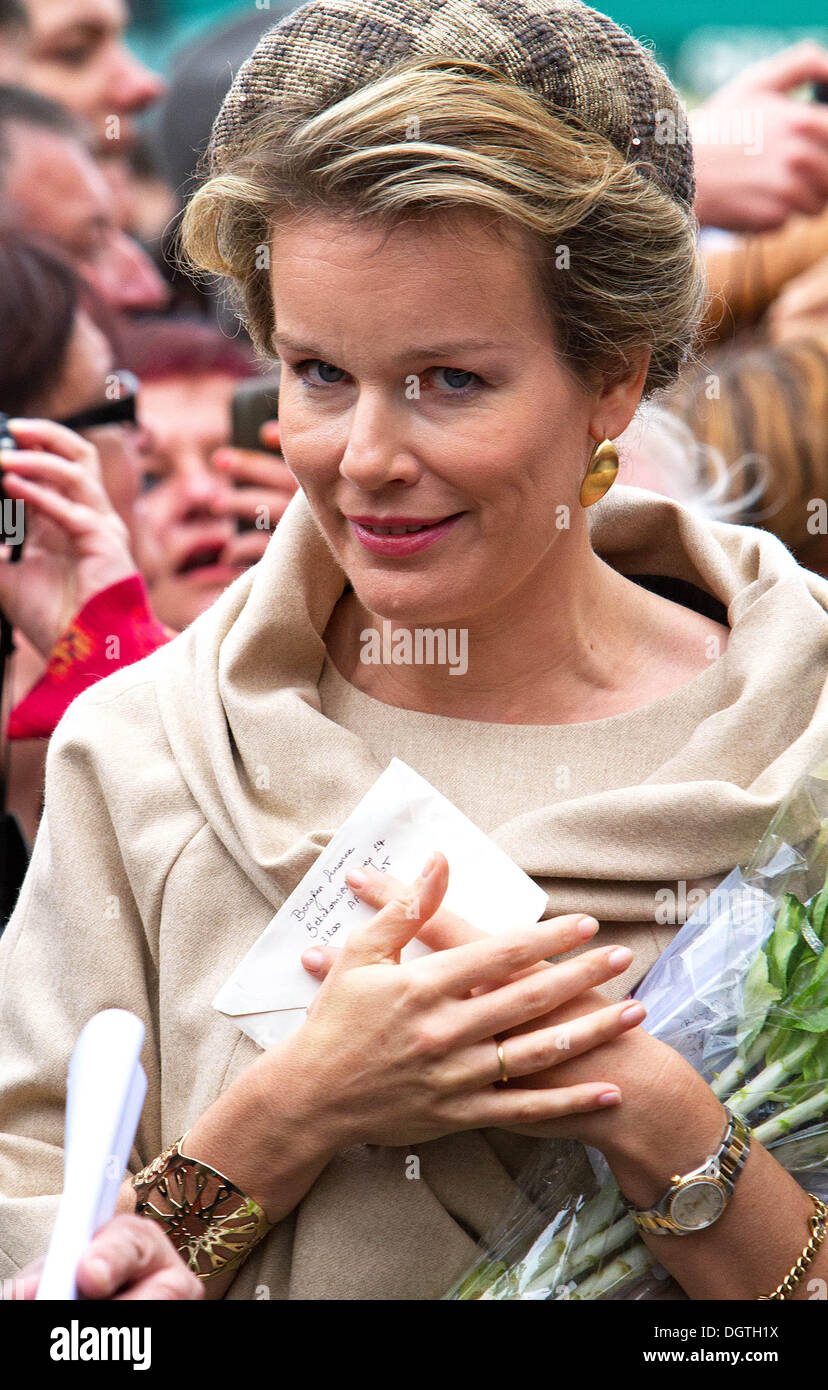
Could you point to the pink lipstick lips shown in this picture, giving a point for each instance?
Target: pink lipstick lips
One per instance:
(399, 535)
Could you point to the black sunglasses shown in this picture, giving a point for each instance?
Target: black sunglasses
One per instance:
(119, 411)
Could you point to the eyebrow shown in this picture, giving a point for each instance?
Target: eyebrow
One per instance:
(433, 350)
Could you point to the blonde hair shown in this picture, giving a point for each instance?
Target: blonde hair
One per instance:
(615, 255)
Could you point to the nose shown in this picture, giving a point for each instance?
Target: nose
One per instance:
(128, 278)
(376, 453)
(132, 87)
(197, 486)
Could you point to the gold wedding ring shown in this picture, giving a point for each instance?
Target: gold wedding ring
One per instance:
(504, 1075)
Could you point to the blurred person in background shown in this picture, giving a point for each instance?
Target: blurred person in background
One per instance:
(76, 584)
(79, 57)
(761, 436)
(51, 184)
(756, 399)
(762, 155)
(199, 489)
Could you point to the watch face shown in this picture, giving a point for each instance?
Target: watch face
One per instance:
(697, 1204)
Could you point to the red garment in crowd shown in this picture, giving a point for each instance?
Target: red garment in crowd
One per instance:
(115, 628)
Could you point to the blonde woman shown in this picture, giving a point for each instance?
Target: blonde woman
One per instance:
(456, 228)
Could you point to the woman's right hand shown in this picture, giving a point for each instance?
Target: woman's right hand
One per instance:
(75, 542)
(402, 1053)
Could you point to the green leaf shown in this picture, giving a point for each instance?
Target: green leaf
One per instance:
(811, 1020)
(757, 996)
(783, 939)
(818, 912)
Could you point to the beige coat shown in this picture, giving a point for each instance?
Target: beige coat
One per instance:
(187, 795)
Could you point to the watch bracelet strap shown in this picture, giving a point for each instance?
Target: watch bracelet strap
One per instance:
(732, 1156)
(211, 1222)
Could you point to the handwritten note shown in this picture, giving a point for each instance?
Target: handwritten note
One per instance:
(396, 826)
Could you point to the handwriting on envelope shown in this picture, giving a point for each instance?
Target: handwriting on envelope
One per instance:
(400, 821)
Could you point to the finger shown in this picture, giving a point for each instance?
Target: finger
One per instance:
(495, 959)
(254, 466)
(56, 439)
(497, 1107)
(175, 1282)
(255, 504)
(73, 518)
(801, 195)
(811, 121)
(524, 1054)
(270, 434)
(124, 1250)
(72, 479)
(401, 919)
(444, 929)
(803, 62)
(320, 960)
(539, 993)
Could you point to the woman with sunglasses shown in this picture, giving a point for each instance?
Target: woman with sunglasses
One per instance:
(75, 584)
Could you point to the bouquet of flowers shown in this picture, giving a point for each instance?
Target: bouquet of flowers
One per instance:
(742, 993)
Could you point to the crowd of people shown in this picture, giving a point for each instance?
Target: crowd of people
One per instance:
(146, 495)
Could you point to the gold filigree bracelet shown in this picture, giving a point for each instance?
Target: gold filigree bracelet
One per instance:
(212, 1224)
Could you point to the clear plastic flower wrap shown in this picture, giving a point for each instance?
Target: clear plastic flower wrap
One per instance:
(742, 993)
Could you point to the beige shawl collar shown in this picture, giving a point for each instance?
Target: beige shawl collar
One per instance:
(275, 778)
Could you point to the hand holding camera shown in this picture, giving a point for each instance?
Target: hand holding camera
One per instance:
(75, 542)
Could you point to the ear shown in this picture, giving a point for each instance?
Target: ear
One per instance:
(616, 403)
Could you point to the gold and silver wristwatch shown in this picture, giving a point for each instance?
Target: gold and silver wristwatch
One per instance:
(695, 1201)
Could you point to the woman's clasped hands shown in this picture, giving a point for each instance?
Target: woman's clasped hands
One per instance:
(403, 1053)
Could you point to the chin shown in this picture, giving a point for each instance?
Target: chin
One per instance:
(413, 601)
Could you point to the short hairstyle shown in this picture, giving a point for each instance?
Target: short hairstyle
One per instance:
(40, 295)
(19, 106)
(615, 256)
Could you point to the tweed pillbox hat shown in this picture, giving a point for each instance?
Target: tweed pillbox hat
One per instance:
(576, 61)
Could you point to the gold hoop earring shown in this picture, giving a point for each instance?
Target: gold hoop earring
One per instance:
(601, 473)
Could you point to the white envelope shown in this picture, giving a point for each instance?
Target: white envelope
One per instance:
(395, 827)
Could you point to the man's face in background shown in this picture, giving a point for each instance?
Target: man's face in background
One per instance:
(53, 186)
(79, 58)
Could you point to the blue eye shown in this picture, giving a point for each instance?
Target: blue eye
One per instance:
(323, 366)
(460, 382)
(459, 388)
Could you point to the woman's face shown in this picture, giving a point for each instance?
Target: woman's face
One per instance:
(188, 416)
(420, 385)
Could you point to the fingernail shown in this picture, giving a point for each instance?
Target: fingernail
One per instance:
(100, 1272)
(609, 1098)
(587, 927)
(429, 866)
(633, 1013)
(620, 958)
(312, 959)
(357, 878)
